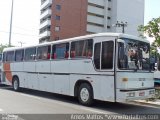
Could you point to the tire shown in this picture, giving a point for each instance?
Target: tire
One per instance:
(85, 94)
(15, 84)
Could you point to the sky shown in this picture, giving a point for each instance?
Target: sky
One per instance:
(26, 14)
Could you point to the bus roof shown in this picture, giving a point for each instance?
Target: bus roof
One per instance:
(118, 35)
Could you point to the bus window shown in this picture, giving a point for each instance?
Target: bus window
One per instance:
(107, 55)
(19, 54)
(10, 56)
(30, 54)
(4, 57)
(43, 53)
(0, 57)
(97, 50)
(60, 51)
(82, 48)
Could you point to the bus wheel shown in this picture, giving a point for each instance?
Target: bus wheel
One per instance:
(85, 94)
(16, 84)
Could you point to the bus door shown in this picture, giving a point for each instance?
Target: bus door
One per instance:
(60, 68)
(104, 52)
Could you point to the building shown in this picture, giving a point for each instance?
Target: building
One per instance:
(61, 19)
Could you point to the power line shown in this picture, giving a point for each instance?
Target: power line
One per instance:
(20, 34)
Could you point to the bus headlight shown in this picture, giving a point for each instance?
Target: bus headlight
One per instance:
(124, 79)
(131, 94)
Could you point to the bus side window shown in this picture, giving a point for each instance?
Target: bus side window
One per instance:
(73, 52)
(60, 51)
(107, 55)
(54, 52)
(30, 54)
(97, 50)
(43, 52)
(19, 55)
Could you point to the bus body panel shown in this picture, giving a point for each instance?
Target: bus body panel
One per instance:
(138, 95)
(46, 82)
(43, 67)
(132, 86)
(134, 80)
(103, 85)
(60, 71)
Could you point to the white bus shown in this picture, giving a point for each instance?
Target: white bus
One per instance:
(157, 74)
(106, 66)
(0, 66)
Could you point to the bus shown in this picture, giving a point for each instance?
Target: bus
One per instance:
(105, 66)
(0, 66)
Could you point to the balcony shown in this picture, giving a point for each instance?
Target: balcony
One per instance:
(45, 14)
(45, 34)
(45, 23)
(46, 4)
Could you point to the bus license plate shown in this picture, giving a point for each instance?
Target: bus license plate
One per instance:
(141, 93)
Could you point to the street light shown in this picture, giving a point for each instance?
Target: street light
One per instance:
(121, 24)
(10, 32)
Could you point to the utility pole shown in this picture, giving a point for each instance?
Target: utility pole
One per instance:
(10, 32)
(121, 24)
(21, 43)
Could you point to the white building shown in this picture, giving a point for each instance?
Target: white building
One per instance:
(100, 16)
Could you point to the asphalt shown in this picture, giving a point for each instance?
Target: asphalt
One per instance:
(155, 103)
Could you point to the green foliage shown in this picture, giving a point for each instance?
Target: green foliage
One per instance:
(152, 29)
(2, 47)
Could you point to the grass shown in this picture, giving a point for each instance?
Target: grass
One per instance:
(157, 95)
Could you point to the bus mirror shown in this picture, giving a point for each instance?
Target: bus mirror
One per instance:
(120, 41)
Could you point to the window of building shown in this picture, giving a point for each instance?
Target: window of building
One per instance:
(109, 8)
(43, 52)
(58, 7)
(109, 0)
(60, 51)
(108, 18)
(19, 54)
(57, 28)
(82, 48)
(58, 17)
(30, 54)
(10, 56)
(57, 38)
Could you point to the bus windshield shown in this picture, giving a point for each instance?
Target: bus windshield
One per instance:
(133, 55)
(0, 56)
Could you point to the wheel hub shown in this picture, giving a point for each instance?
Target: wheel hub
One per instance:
(84, 94)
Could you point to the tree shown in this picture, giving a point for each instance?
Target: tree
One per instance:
(152, 29)
(2, 47)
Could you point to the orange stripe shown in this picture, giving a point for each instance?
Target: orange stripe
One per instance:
(7, 70)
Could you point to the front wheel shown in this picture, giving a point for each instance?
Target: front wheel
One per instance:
(16, 84)
(85, 94)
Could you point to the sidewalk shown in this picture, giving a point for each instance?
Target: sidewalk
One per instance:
(155, 103)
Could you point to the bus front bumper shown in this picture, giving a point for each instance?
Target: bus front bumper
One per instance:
(130, 95)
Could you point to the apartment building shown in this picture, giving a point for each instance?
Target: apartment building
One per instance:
(61, 19)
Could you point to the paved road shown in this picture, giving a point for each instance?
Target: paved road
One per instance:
(35, 102)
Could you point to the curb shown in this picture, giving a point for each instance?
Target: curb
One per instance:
(146, 103)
